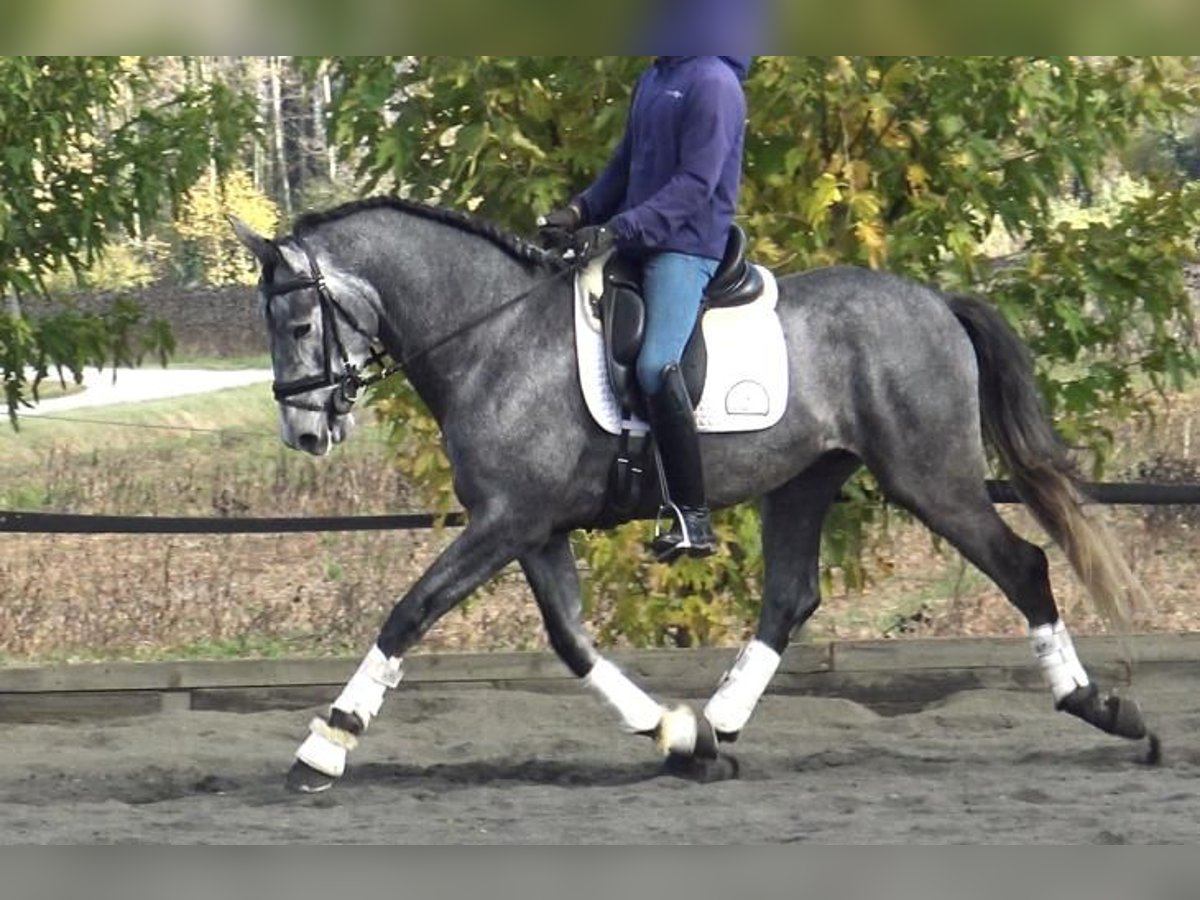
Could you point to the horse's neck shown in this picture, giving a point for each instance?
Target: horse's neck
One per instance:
(439, 287)
(431, 277)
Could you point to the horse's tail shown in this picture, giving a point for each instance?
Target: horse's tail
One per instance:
(1039, 464)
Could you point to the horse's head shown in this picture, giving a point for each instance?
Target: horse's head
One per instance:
(321, 321)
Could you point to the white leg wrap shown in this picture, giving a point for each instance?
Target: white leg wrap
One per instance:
(363, 693)
(637, 710)
(325, 748)
(677, 731)
(740, 689)
(1055, 653)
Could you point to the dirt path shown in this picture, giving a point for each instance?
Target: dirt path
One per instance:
(149, 383)
(504, 767)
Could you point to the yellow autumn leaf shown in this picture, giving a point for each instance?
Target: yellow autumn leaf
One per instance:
(917, 177)
(858, 173)
(826, 192)
(768, 251)
(518, 139)
(865, 205)
(871, 235)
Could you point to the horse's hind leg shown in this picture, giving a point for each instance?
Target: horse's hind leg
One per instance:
(552, 575)
(955, 504)
(792, 516)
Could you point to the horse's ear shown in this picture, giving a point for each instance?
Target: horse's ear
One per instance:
(264, 248)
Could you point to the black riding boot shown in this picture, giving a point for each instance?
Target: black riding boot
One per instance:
(674, 428)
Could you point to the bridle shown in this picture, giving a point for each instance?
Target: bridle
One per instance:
(349, 383)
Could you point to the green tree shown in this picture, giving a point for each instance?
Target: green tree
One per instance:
(922, 165)
(85, 154)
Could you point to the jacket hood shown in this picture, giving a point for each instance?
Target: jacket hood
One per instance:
(679, 27)
(739, 64)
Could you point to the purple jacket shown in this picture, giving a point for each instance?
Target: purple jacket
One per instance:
(673, 181)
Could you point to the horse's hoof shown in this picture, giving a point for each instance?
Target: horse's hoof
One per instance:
(1127, 721)
(304, 779)
(702, 770)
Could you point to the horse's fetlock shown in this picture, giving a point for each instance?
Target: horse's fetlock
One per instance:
(1083, 702)
(349, 722)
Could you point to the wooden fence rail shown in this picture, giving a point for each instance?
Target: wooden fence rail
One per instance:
(890, 676)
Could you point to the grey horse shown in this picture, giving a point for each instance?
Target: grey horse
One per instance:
(884, 372)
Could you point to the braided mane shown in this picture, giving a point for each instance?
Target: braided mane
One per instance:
(517, 247)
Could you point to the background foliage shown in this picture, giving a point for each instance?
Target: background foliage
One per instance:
(90, 146)
(209, 244)
(1061, 188)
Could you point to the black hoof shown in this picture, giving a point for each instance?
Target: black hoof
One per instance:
(304, 779)
(1113, 714)
(1127, 721)
(701, 770)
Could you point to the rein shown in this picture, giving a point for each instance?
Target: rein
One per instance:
(351, 380)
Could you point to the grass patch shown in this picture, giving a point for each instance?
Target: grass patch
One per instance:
(202, 454)
(201, 419)
(222, 363)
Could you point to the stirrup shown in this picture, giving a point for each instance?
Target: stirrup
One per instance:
(670, 545)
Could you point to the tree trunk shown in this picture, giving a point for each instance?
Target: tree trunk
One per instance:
(281, 161)
(327, 97)
(204, 70)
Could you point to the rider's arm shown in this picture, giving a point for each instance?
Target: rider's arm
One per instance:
(600, 202)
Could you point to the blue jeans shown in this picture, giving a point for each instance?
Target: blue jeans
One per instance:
(673, 284)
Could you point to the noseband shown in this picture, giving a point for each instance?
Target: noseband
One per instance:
(350, 381)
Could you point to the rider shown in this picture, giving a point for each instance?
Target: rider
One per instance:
(668, 197)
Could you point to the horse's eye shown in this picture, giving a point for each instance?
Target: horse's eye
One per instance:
(302, 331)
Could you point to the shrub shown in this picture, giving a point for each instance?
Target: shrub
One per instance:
(209, 242)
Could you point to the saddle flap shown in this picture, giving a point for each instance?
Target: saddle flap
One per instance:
(623, 317)
(623, 314)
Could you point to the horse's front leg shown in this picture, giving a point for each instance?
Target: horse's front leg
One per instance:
(483, 549)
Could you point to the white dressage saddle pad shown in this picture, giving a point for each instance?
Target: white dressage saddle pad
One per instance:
(746, 387)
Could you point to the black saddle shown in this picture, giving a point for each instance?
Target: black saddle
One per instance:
(623, 316)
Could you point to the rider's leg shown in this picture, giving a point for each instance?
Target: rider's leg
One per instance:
(674, 427)
(674, 286)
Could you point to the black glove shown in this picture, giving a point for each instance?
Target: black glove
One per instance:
(593, 241)
(556, 228)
